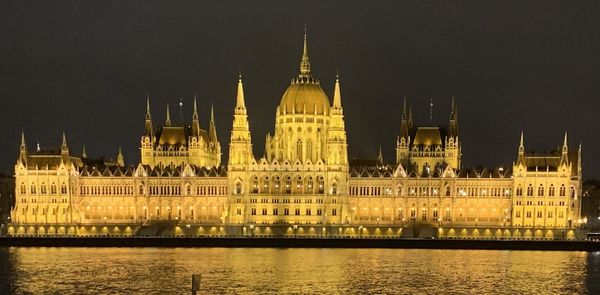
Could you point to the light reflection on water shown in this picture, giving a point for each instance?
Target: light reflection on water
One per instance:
(275, 271)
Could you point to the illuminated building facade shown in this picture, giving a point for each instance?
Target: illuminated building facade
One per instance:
(303, 185)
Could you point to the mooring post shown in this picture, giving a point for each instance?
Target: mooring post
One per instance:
(195, 283)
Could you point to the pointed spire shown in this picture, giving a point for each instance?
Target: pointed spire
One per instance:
(453, 119)
(168, 119)
(404, 125)
(305, 62)
(23, 150)
(83, 153)
(120, 158)
(565, 149)
(148, 115)
(380, 156)
(195, 114)
(410, 118)
(521, 157)
(240, 103)
(23, 143)
(212, 132)
(64, 142)
(521, 142)
(337, 96)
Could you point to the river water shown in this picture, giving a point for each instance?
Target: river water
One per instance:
(295, 271)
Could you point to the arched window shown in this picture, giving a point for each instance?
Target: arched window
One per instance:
(255, 185)
(32, 189)
(519, 191)
(321, 184)
(23, 188)
(188, 189)
(334, 190)
(53, 188)
(43, 189)
(541, 191)
(572, 192)
(63, 188)
(399, 191)
(563, 190)
(141, 189)
(447, 191)
(530, 190)
(551, 190)
(288, 185)
(238, 188)
(299, 150)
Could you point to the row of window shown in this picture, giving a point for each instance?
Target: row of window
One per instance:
(539, 214)
(33, 188)
(286, 211)
(53, 200)
(539, 203)
(287, 201)
(541, 191)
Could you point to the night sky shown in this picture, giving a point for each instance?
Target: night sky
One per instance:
(85, 67)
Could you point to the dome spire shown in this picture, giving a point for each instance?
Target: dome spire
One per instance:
(305, 62)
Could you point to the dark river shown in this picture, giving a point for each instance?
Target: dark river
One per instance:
(295, 271)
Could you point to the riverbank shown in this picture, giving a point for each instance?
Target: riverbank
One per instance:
(237, 242)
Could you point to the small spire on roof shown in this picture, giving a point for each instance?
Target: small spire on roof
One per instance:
(23, 143)
(83, 153)
(168, 119)
(64, 141)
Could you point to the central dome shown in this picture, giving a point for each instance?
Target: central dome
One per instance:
(304, 95)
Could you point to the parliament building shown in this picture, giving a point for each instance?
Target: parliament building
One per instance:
(304, 185)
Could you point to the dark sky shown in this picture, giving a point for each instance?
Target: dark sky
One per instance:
(85, 67)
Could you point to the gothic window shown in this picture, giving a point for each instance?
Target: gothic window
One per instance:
(541, 191)
(297, 211)
(572, 192)
(265, 184)
(264, 211)
(277, 184)
(288, 185)
(53, 188)
(309, 183)
(23, 188)
(299, 150)
(519, 191)
(551, 190)
(447, 191)
(539, 214)
(188, 189)
(321, 184)
(43, 189)
(63, 188)
(518, 214)
(530, 191)
(308, 211)
(319, 211)
(563, 190)
(253, 211)
(255, 185)
(238, 188)
(333, 212)
(334, 189)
